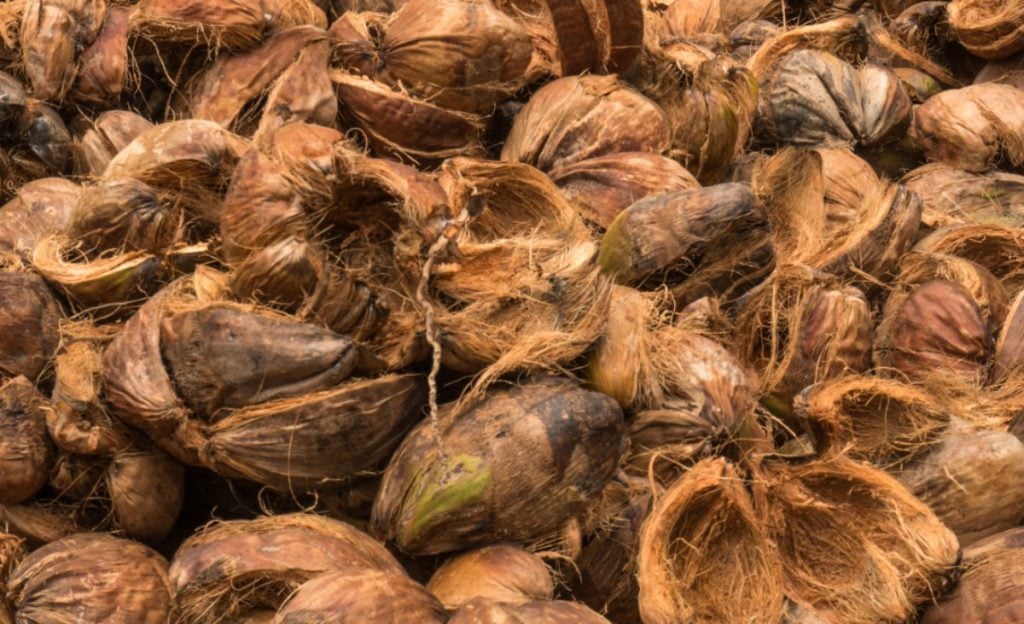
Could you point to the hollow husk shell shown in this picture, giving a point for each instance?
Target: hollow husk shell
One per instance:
(992, 30)
(25, 449)
(501, 573)
(516, 466)
(361, 595)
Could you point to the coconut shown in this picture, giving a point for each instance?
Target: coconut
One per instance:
(709, 241)
(238, 24)
(100, 139)
(999, 249)
(52, 34)
(746, 37)
(45, 137)
(502, 573)
(103, 65)
(974, 128)
(990, 588)
(147, 491)
(604, 186)
(303, 93)
(361, 595)
(460, 488)
(234, 568)
(952, 196)
(111, 580)
(582, 117)
(989, 30)
(42, 208)
(802, 327)
(1010, 346)
(25, 450)
(935, 330)
(687, 18)
(918, 267)
(29, 323)
(956, 481)
(483, 611)
(42, 522)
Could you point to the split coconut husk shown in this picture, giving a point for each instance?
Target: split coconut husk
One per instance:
(483, 611)
(99, 140)
(361, 595)
(918, 267)
(110, 580)
(975, 128)
(990, 587)
(502, 573)
(992, 30)
(25, 450)
(582, 117)
(42, 208)
(52, 34)
(934, 330)
(709, 241)
(951, 196)
(516, 466)
(231, 569)
(801, 327)
(997, 248)
(29, 322)
(972, 481)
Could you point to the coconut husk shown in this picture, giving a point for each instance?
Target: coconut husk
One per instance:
(603, 187)
(12, 551)
(841, 36)
(1009, 356)
(25, 449)
(361, 595)
(952, 196)
(303, 93)
(748, 36)
(112, 280)
(52, 34)
(502, 573)
(464, 56)
(42, 208)
(992, 31)
(103, 66)
(690, 18)
(974, 128)
(123, 214)
(458, 488)
(76, 477)
(102, 138)
(709, 241)
(318, 439)
(110, 579)
(147, 491)
(990, 588)
(883, 421)
(234, 568)
(703, 555)
(997, 248)
(42, 522)
(918, 267)
(46, 138)
(1008, 71)
(935, 327)
(801, 327)
(397, 125)
(234, 25)
(606, 116)
(483, 611)
(29, 323)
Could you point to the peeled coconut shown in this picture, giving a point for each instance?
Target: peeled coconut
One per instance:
(501, 573)
(361, 595)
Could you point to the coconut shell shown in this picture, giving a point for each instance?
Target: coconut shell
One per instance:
(990, 588)
(919, 267)
(103, 65)
(52, 34)
(25, 449)
(103, 137)
(470, 485)
(992, 31)
(147, 491)
(603, 187)
(997, 248)
(111, 580)
(974, 128)
(361, 595)
(815, 98)
(483, 611)
(319, 438)
(972, 481)
(42, 208)
(936, 329)
(504, 574)
(29, 321)
(270, 557)
(952, 196)
(582, 117)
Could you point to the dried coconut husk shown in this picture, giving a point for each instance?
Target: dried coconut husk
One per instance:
(703, 555)
(25, 450)
(501, 573)
(935, 328)
(231, 24)
(75, 477)
(29, 323)
(801, 327)
(748, 36)
(604, 186)
(99, 140)
(952, 196)
(974, 128)
(581, 117)
(483, 611)
(355, 41)
(515, 466)
(109, 280)
(52, 34)
(990, 588)
(463, 55)
(231, 569)
(42, 522)
(1009, 356)
(110, 580)
(397, 125)
(972, 481)
(997, 248)
(992, 30)
(689, 18)
(318, 439)
(708, 241)
(520, 288)
(1009, 71)
(361, 595)
(123, 214)
(45, 138)
(918, 267)
(12, 551)
(303, 93)
(103, 66)
(880, 420)
(855, 546)
(41, 208)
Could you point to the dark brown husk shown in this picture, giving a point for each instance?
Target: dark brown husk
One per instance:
(25, 449)
(29, 323)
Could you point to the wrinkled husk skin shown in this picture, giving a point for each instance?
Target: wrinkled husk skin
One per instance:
(361, 595)
(26, 452)
(501, 573)
(516, 466)
(482, 611)
(953, 196)
(29, 320)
